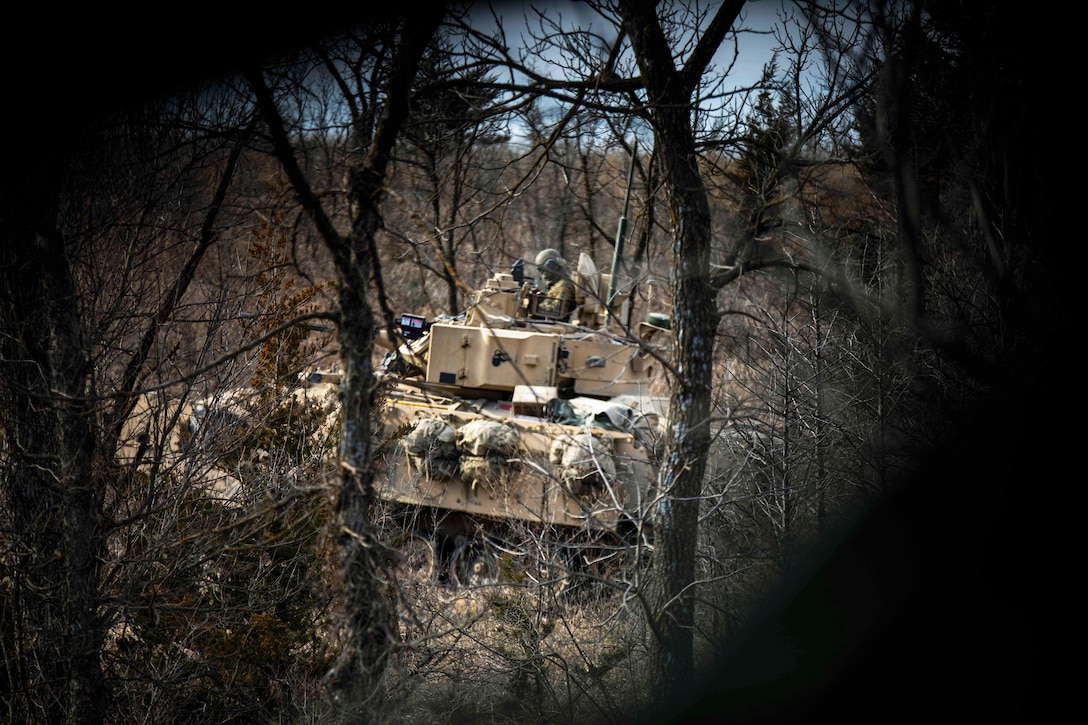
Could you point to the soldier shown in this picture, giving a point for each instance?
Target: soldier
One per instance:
(559, 289)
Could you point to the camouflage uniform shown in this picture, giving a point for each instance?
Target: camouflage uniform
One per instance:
(559, 301)
(559, 297)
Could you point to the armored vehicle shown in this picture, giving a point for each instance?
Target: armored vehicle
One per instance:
(519, 437)
(517, 440)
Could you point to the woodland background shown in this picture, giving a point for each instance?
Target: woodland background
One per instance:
(929, 599)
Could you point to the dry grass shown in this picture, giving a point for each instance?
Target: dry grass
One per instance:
(514, 654)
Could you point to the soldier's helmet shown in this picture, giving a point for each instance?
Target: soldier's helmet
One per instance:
(550, 263)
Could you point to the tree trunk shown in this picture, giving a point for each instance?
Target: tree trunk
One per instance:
(695, 322)
(54, 546)
(367, 605)
(367, 608)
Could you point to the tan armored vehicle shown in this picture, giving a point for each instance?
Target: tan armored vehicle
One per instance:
(520, 434)
(517, 440)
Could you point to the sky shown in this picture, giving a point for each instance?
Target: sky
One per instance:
(755, 49)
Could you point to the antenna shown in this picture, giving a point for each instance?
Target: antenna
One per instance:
(621, 230)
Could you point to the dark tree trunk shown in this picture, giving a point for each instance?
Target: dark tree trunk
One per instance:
(367, 605)
(695, 321)
(53, 549)
(367, 608)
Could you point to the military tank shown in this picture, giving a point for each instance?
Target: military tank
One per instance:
(519, 440)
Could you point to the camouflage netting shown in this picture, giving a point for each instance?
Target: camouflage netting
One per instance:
(432, 447)
(583, 461)
(486, 451)
(489, 450)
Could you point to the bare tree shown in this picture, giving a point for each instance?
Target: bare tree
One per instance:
(445, 161)
(369, 620)
(52, 515)
(669, 93)
(111, 331)
(76, 353)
